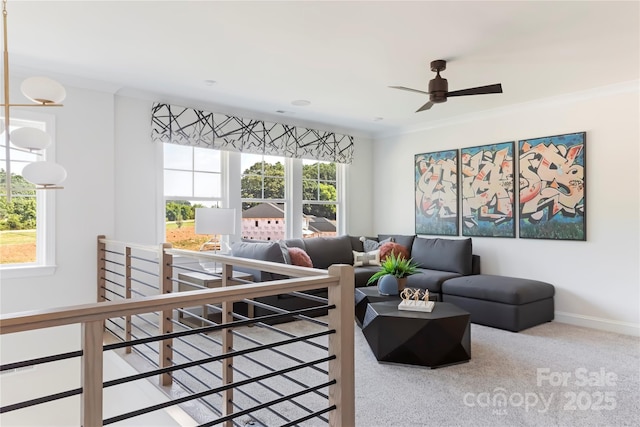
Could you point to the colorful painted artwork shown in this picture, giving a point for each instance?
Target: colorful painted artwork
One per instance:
(436, 176)
(553, 187)
(487, 189)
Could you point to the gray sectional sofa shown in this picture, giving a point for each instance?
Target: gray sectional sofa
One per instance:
(447, 268)
(439, 259)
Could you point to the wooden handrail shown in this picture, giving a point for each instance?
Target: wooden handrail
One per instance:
(37, 319)
(339, 279)
(268, 266)
(149, 248)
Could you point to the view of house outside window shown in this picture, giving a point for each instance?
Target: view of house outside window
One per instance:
(263, 197)
(320, 198)
(192, 179)
(19, 218)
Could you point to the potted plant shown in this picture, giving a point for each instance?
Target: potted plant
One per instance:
(393, 273)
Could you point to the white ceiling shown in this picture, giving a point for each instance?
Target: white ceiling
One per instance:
(339, 55)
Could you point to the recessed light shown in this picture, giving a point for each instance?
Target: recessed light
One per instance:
(210, 82)
(301, 102)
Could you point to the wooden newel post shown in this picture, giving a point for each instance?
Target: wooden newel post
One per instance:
(166, 326)
(342, 394)
(92, 362)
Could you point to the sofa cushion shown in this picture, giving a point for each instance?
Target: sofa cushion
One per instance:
(507, 290)
(362, 274)
(326, 251)
(430, 279)
(285, 251)
(299, 257)
(294, 243)
(259, 251)
(401, 239)
(443, 254)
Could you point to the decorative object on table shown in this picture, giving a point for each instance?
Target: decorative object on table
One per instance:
(217, 222)
(436, 193)
(553, 187)
(488, 190)
(416, 300)
(393, 273)
(44, 92)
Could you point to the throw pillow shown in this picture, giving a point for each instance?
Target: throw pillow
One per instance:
(371, 245)
(366, 258)
(300, 258)
(389, 247)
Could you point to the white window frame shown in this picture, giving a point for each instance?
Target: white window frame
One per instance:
(222, 201)
(45, 263)
(231, 191)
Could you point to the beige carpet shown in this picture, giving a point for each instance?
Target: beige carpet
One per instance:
(550, 375)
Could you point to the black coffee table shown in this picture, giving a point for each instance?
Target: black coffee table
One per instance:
(436, 339)
(369, 294)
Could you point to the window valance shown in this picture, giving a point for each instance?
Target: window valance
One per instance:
(187, 126)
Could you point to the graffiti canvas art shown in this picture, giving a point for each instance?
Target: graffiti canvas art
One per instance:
(436, 187)
(553, 187)
(487, 189)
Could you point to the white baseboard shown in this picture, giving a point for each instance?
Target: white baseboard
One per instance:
(609, 325)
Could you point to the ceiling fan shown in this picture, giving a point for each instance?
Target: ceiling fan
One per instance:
(439, 88)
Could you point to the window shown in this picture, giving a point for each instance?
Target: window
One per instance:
(280, 197)
(320, 198)
(27, 222)
(263, 197)
(192, 179)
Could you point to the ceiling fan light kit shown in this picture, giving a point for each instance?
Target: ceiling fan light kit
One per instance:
(439, 87)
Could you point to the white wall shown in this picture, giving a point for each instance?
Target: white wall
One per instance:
(84, 208)
(597, 282)
(138, 163)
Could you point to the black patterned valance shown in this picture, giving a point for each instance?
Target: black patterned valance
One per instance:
(186, 126)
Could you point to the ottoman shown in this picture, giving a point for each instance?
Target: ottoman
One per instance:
(508, 303)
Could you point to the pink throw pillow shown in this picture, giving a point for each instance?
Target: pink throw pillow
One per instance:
(299, 257)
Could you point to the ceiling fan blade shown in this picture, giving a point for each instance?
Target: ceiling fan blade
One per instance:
(481, 90)
(425, 107)
(409, 89)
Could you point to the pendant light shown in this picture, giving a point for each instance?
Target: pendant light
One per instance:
(44, 92)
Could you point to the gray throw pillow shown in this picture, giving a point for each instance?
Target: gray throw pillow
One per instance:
(371, 245)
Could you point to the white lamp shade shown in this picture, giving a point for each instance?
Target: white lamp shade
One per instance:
(30, 138)
(43, 90)
(215, 221)
(44, 173)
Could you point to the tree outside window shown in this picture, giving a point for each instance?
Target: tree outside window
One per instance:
(320, 198)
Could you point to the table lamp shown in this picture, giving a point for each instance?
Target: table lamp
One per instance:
(217, 222)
